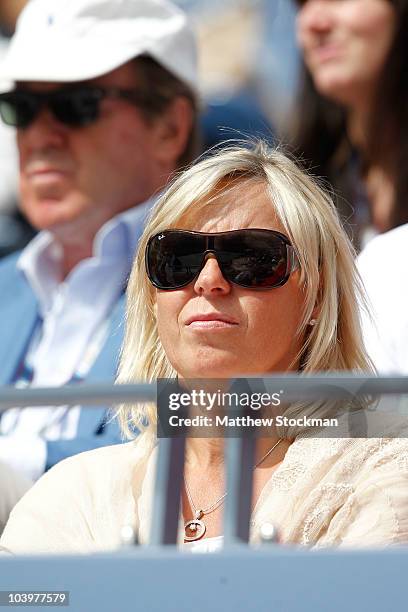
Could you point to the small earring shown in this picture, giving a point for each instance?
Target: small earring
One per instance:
(312, 322)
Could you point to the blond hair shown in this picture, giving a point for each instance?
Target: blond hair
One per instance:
(326, 257)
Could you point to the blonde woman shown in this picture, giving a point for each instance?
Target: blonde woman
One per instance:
(270, 286)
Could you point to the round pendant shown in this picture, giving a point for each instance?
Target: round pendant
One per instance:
(194, 530)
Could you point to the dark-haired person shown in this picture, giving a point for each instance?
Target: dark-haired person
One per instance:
(103, 100)
(248, 271)
(353, 124)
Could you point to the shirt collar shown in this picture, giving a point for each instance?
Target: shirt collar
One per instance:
(40, 262)
(108, 241)
(41, 259)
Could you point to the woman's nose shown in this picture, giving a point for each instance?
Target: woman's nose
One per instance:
(210, 280)
(314, 17)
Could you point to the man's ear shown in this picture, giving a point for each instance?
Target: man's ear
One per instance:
(173, 129)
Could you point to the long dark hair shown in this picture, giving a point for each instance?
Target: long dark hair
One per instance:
(320, 133)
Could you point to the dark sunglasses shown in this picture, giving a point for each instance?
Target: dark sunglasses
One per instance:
(252, 258)
(74, 106)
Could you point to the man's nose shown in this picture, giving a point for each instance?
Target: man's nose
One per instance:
(45, 131)
(211, 280)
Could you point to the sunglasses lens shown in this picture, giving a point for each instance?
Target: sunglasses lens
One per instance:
(254, 259)
(250, 258)
(18, 109)
(173, 259)
(77, 107)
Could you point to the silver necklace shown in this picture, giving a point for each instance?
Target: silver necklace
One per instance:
(195, 528)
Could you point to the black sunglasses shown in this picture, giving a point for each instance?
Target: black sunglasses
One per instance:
(252, 258)
(73, 106)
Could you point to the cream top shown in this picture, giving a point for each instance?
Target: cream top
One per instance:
(326, 492)
(206, 545)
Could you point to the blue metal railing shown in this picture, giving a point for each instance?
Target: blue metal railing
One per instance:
(158, 578)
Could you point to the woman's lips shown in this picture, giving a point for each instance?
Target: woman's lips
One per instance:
(214, 324)
(211, 321)
(325, 53)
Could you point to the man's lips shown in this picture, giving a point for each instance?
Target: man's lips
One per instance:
(212, 319)
(45, 171)
(47, 177)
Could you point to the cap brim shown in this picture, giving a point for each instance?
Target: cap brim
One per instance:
(79, 65)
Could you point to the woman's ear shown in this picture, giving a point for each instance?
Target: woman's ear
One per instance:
(315, 314)
(314, 317)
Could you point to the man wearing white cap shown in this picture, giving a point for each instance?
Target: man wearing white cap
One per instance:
(103, 100)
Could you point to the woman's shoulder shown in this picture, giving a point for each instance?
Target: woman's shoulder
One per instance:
(77, 505)
(107, 458)
(93, 470)
(396, 237)
(354, 460)
(101, 463)
(374, 258)
(345, 492)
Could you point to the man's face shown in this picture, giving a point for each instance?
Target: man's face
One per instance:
(73, 179)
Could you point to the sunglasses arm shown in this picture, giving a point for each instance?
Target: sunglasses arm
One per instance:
(293, 260)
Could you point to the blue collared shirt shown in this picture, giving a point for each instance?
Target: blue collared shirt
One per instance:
(73, 323)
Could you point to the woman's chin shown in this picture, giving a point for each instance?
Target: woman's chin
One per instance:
(212, 370)
(217, 373)
(335, 85)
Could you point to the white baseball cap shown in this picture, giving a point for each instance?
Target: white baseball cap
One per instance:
(76, 40)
